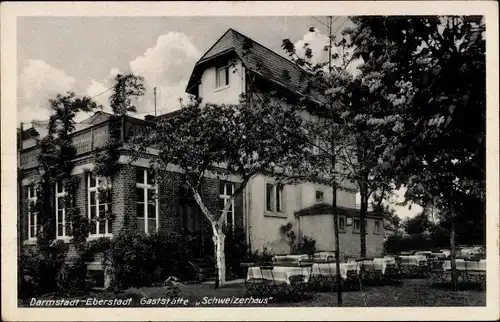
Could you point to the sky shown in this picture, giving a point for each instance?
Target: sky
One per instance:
(83, 54)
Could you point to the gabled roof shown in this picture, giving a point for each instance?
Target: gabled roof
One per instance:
(256, 58)
(98, 117)
(327, 209)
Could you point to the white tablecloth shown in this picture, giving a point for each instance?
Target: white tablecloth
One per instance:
(413, 260)
(447, 252)
(463, 265)
(423, 252)
(280, 273)
(330, 269)
(324, 255)
(379, 264)
(439, 255)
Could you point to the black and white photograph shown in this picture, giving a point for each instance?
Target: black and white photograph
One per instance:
(189, 160)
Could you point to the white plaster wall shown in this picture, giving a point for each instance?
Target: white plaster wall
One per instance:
(264, 226)
(225, 95)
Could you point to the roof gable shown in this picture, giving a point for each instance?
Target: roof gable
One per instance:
(258, 59)
(225, 43)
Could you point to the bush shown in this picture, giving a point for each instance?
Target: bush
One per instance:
(307, 245)
(135, 259)
(42, 270)
(398, 243)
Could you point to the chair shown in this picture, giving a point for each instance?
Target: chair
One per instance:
(438, 274)
(269, 284)
(392, 272)
(353, 279)
(478, 273)
(299, 283)
(319, 279)
(255, 285)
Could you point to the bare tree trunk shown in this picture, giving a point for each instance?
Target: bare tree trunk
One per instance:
(362, 222)
(218, 239)
(336, 235)
(337, 257)
(454, 277)
(220, 259)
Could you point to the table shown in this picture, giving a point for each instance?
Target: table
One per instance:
(412, 260)
(423, 252)
(324, 256)
(279, 274)
(464, 265)
(330, 269)
(413, 265)
(447, 252)
(439, 255)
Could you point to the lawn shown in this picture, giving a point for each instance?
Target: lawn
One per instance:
(412, 292)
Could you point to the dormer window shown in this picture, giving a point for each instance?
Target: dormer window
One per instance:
(222, 76)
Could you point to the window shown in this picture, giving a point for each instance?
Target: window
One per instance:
(222, 77)
(377, 227)
(33, 226)
(226, 190)
(269, 197)
(99, 205)
(341, 223)
(357, 225)
(319, 196)
(146, 201)
(63, 226)
(274, 198)
(279, 198)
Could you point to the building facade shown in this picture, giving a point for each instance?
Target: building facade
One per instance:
(237, 65)
(234, 65)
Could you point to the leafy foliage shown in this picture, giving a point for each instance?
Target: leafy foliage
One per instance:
(240, 139)
(431, 71)
(135, 259)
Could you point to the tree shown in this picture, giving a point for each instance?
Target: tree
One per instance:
(205, 139)
(432, 71)
(126, 91)
(356, 109)
(417, 225)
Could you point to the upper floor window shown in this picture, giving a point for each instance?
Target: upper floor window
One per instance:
(99, 205)
(222, 76)
(377, 227)
(63, 226)
(274, 197)
(341, 223)
(33, 226)
(319, 196)
(357, 226)
(226, 190)
(146, 201)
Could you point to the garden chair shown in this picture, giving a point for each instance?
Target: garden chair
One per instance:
(299, 284)
(270, 284)
(478, 273)
(423, 268)
(354, 280)
(253, 284)
(392, 273)
(318, 280)
(438, 274)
